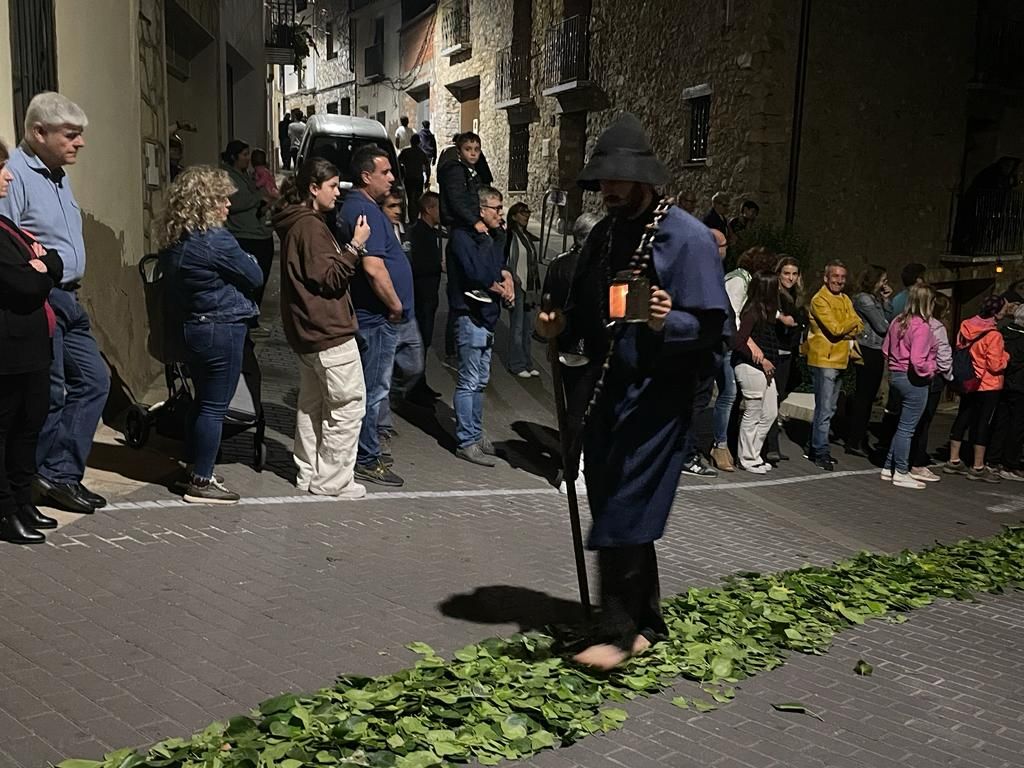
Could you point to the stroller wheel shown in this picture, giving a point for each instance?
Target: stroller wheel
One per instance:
(136, 426)
(259, 455)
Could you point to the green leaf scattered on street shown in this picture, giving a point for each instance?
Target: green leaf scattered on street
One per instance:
(795, 708)
(863, 668)
(504, 699)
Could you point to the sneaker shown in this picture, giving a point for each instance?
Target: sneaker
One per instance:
(954, 468)
(924, 474)
(906, 480)
(475, 455)
(757, 469)
(983, 474)
(826, 463)
(209, 492)
(534, 372)
(478, 295)
(524, 375)
(1014, 475)
(886, 475)
(385, 450)
(774, 457)
(722, 459)
(487, 447)
(697, 467)
(259, 332)
(379, 474)
(351, 492)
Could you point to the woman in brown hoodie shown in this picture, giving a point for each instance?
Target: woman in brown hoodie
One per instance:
(320, 324)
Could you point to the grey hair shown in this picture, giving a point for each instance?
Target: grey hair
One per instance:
(486, 193)
(582, 226)
(51, 109)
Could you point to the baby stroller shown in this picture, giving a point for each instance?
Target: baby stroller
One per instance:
(169, 417)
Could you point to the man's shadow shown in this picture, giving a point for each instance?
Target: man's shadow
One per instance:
(538, 452)
(529, 609)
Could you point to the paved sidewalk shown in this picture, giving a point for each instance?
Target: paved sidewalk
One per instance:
(153, 618)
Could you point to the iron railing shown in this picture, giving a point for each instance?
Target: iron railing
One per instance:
(512, 67)
(567, 52)
(988, 223)
(280, 23)
(1000, 51)
(455, 27)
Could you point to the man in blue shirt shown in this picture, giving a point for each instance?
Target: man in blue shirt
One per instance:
(476, 267)
(41, 202)
(383, 297)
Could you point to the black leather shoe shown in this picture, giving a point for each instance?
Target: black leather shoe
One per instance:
(16, 532)
(33, 518)
(67, 496)
(97, 501)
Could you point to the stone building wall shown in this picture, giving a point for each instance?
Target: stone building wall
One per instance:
(883, 143)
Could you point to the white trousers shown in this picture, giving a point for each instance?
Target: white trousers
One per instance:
(760, 409)
(332, 402)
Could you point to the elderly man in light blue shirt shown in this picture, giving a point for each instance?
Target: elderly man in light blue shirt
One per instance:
(41, 202)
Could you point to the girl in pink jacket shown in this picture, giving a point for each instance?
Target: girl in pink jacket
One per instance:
(910, 352)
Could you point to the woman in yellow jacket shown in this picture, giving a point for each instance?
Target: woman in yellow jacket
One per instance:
(833, 325)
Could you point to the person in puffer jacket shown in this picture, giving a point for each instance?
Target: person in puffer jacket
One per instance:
(977, 409)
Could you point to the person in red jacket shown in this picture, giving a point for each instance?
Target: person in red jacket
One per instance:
(978, 408)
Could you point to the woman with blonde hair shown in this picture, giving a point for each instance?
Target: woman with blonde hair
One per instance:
(212, 283)
(910, 351)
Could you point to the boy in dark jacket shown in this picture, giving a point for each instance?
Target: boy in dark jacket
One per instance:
(459, 184)
(1004, 453)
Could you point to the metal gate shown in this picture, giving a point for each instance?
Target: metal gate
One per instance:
(33, 54)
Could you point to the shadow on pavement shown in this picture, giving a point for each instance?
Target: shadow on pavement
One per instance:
(431, 421)
(537, 452)
(506, 604)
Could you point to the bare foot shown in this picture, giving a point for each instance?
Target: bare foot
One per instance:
(640, 645)
(604, 657)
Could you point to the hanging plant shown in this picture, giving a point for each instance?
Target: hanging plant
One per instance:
(302, 43)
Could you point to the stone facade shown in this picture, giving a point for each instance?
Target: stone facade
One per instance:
(330, 75)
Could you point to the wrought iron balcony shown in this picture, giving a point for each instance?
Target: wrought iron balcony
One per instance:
(567, 54)
(455, 28)
(279, 31)
(512, 80)
(988, 223)
(1000, 52)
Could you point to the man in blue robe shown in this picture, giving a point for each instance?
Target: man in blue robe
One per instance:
(633, 436)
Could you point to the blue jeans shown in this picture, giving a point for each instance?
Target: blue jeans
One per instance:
(725, 380)
(915, 398)
(826, 400)
(520, 336)
(475, 345)
(377, 351)
(213, 352)
(79, 383)
(408, 369)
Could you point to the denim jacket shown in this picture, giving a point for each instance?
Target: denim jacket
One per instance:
(208, 278)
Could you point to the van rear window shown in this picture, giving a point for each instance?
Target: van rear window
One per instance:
(339, 150)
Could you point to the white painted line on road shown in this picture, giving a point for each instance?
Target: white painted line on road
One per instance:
(480, 492)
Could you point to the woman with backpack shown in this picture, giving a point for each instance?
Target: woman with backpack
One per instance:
(978, 366)
(910, 350)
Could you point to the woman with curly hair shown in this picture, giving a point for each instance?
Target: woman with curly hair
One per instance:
(212, 283)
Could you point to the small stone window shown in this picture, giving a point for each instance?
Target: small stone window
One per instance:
(518, 157)
(332, 107)
(699, 101)
(332, 50)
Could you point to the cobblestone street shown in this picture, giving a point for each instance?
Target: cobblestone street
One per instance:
(154, 618)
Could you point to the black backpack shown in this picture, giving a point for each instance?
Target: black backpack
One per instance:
(965, 377)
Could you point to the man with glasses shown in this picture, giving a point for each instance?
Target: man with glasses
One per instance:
(476, 265)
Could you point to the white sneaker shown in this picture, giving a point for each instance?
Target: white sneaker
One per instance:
(906, 480)
(924, 474)
(886, 475)
(351, 492)
(524, 375)
(534, 372)
(757, 469)
(563, 488)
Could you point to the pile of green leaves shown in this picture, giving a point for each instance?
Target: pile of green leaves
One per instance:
(506, 699)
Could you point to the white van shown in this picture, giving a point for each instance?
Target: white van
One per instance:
(337, 137)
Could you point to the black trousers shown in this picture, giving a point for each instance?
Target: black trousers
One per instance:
(630, 596)
(263, 250)
(869, 378)
(1008, 431)
(919, 445)
(24, 402)
(977, 410)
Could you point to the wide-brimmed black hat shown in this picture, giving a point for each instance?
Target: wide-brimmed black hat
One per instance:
(623, 153)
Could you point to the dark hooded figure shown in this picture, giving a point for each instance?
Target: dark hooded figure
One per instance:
(640, 409)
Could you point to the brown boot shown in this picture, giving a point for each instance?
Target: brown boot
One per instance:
(722, 459)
